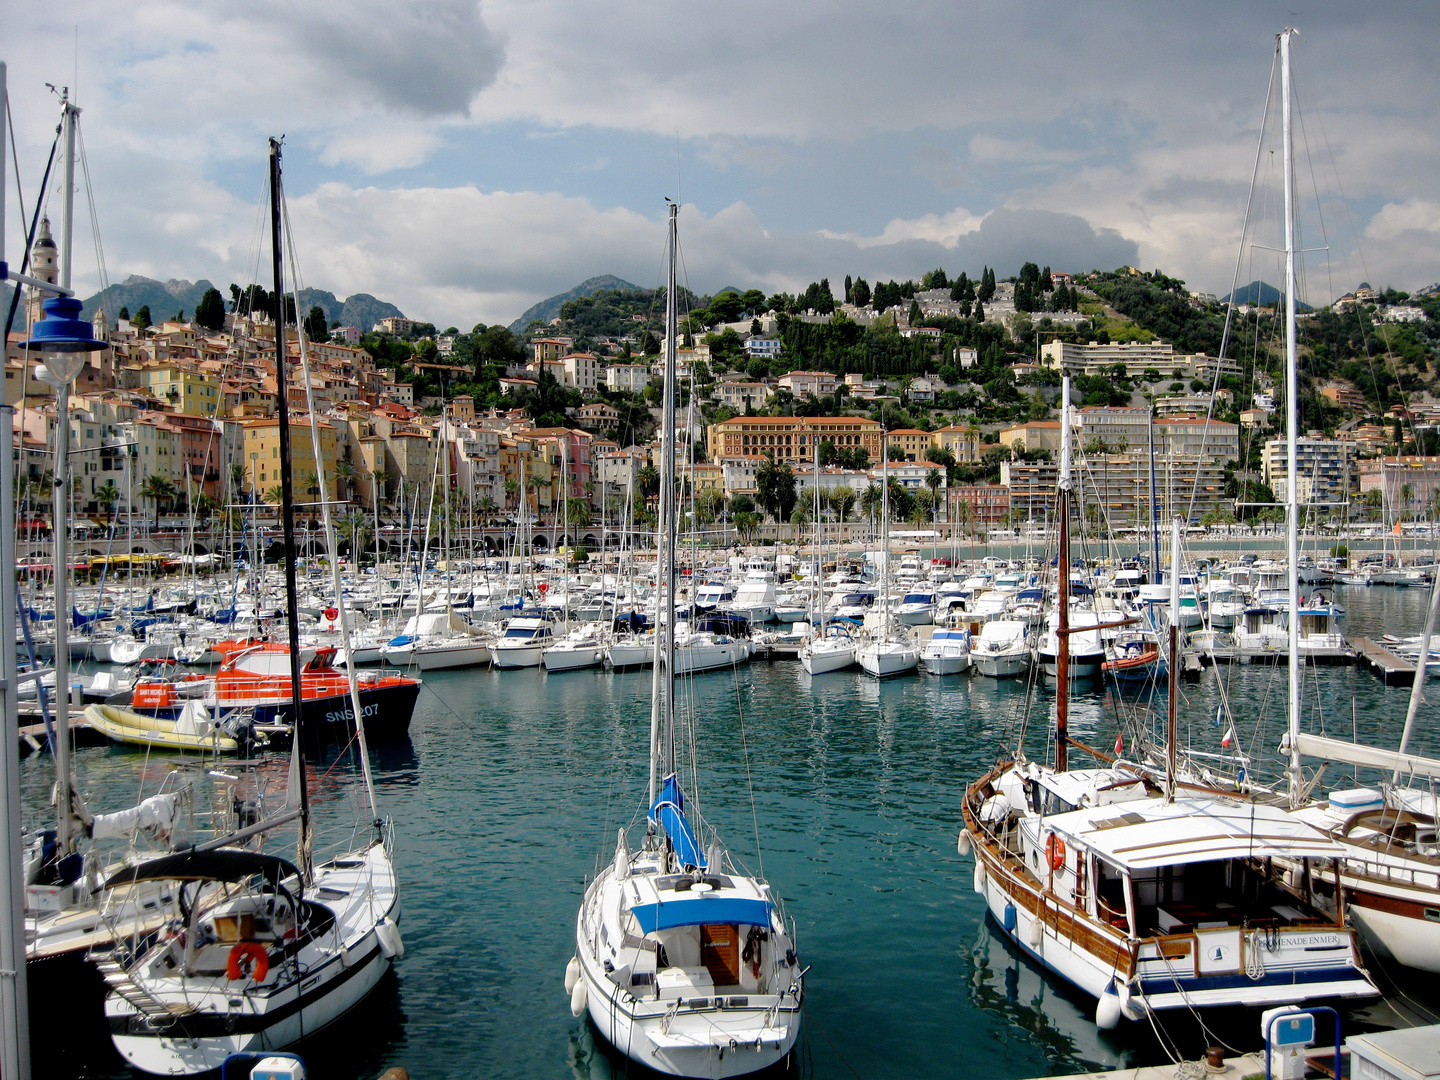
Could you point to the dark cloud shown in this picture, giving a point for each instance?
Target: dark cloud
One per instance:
(429, 58)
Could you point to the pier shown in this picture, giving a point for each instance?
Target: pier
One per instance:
(1393, 670)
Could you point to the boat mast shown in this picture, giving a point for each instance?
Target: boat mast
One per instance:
(665, 551)
(287, 507)
(1292, 424)
(1173, 657)
(819, 556)
(1062, 630)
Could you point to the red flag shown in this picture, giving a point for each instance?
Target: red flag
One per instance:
(1119, 744)
(1229, 736)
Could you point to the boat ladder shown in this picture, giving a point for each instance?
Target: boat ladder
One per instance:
(156, 1012)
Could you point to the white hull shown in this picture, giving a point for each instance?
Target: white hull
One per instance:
(888, 658)
(573, 658)
(439, 657)
(943, 664)
(1082, 666)
(693, 659)
(823, 660)
(627, 655)
(1002, 665)
(516, 656)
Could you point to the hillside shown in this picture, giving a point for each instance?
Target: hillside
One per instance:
(549, 309)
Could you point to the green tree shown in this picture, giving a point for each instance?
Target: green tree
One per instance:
(775, 487)
(275, 495)
(108, 498)
(842, 501)
(159, 490)
(204, 506)
(316, 328)
(747, 523)
(210, 312)
(141, 321)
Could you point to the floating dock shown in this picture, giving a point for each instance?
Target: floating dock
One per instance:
(1393, 670)
(32, 731)
(1235, 1068)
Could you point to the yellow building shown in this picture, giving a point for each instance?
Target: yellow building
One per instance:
(188, 389)
(962, 441)
(262, 456)
(791, 438)
(1036, 435)
(912, 442)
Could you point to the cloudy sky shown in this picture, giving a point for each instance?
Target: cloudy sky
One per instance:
(466, 159)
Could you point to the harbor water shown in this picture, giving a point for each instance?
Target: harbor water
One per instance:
(514, 783)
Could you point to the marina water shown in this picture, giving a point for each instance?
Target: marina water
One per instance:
(514, 782)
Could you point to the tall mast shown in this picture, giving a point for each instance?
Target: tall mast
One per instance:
(1173, 658)
(1292, 424)
(1062, 630)
(819, 558)
(287, 506)
(665, 551)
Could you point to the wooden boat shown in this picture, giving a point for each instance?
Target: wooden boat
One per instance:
(192, 731)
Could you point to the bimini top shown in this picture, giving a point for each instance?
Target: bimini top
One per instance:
(660, 903)
(1141, 834)
(220, 864)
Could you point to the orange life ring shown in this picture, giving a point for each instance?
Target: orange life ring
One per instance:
(1055, 850)
(256, 952)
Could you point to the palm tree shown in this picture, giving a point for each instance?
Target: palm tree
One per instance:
(205, 505)
(512, 488)
(1407, 498)
(344, 478)
(161, 490)
(842, 501)
(275, 495)
(108, 497)
(933, 480)
(238, 479)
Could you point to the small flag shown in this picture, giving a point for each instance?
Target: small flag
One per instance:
(1119, 744)
(1229, 736)
(1219, 711)
(1398, 531)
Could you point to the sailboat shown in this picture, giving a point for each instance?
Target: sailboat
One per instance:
(685, 963)
(832, 646)
(257, 951)
(1150, 897)
(891, 649)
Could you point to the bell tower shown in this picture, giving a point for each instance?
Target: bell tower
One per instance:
(45, 265)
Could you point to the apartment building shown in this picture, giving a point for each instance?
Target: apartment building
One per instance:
(1324, 469)
(791, 438)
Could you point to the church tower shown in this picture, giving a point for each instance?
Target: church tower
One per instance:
(45, 265)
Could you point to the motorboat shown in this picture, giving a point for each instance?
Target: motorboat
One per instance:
(523, 643)
(1002, 651)
(947, 652)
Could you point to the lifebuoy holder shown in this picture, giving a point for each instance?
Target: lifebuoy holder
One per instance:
(1055, 852)
(256, 953)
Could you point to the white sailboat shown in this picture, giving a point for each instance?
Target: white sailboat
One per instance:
(890, 649)
(258, 952)
(685, 964)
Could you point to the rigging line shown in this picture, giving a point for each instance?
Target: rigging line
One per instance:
(100, 266)
(1235, 277)
(749, 780)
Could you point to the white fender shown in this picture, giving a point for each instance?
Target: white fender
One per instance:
(392, 946)
(1037, 932)
(980, 877)
(962, 844)
(572, 974)
(1131, 1007)
(577, 999)
(1108, 1009)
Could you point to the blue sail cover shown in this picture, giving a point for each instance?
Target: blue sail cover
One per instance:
(708, 908)
(669, 813)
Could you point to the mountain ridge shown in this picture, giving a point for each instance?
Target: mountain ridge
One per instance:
(165, 297)
(549, 308)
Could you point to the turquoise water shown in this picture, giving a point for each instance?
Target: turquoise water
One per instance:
(515, 782)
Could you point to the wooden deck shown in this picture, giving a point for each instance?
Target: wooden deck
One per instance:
(1393, 670)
